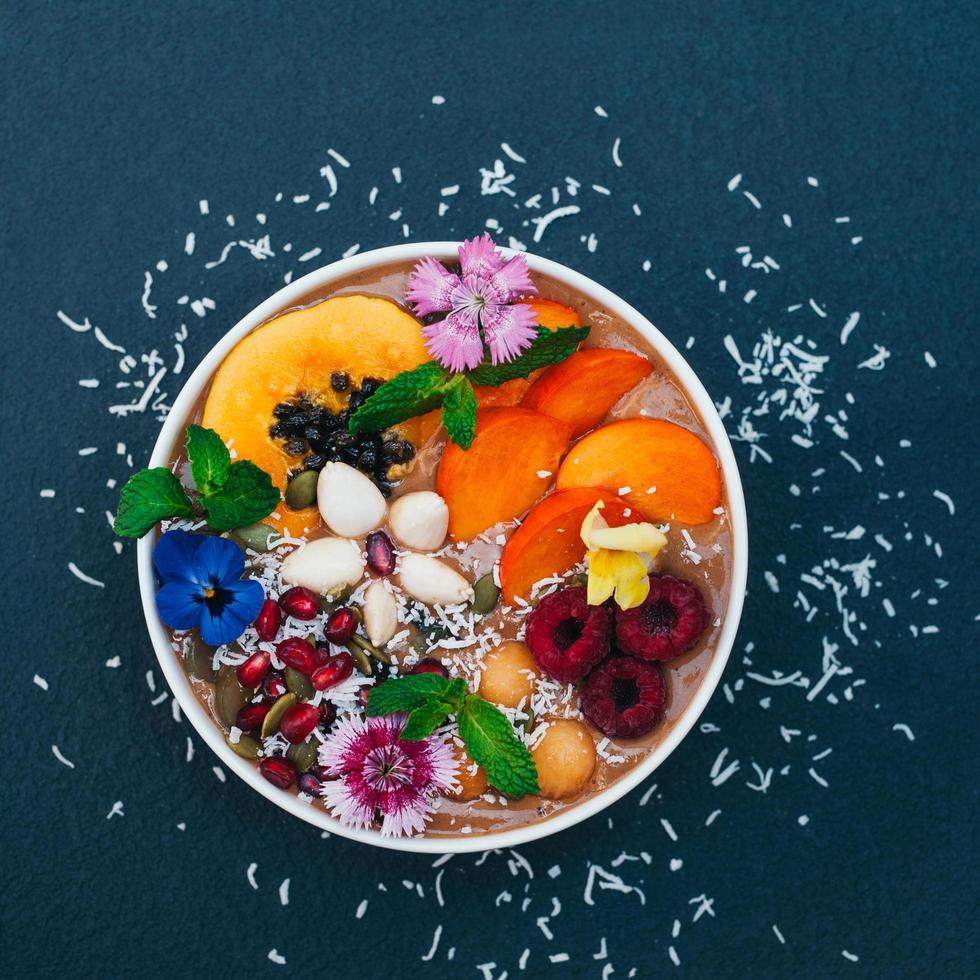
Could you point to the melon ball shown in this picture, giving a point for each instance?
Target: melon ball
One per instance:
(565, 759)
(471, 779)
(509, 675)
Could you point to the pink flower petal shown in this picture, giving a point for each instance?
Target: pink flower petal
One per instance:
(508, 330)
(511, 279)
(479, 256)
(455, 342)
(430, 287)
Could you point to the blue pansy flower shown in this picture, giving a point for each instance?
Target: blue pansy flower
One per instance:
(202, 586)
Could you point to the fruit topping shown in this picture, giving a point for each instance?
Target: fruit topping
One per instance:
(250, 718)
(500, 476)
(509, 674)
(420, 520)
(430, 666)
(471, 779)
(298, 722)
(341, 624)
(624, 697)
(380, 553)
(336, 669)
(368, 337)
(584, 387)
(299, 603)
(268, 621)
(669, 621)
(663, 470)
(278, 771)
(566, 635)
(565, 759)
(547, 542)
(296, 653)
(252, 672)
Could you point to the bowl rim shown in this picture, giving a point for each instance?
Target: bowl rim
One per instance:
(208, 730)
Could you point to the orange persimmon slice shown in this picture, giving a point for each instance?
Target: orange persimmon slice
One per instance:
(548, 541)
(509, 466)
(585, 386)
(635, 455)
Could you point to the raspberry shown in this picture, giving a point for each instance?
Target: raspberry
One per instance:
(669, 621)
(624, 697)
(567, 636)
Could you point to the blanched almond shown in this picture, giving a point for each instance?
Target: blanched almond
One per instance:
(420, 520)
(350, 504)
(325, 565)
(432, 581)
(380, 613)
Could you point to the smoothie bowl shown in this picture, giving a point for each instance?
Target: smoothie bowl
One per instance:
(443, 547)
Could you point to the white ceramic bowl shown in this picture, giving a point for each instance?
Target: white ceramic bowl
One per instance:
(172, 433)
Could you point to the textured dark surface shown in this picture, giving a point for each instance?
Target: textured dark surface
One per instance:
(117, 119)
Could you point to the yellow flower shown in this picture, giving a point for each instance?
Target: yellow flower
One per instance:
(620, 559)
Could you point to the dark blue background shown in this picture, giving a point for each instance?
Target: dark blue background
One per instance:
(118, 118)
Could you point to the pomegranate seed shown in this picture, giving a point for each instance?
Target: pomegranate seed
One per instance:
(341, 626)
(299, 603)
(298, 722)
(253, 671)
(296, 653)
(309, 784)
(328, 715)
(321, 652)
(322, 773)
(268, 620)
(250, 718)
(430, 666)
(279, 772)
(338, 668)
(274, 686)
(380, 553)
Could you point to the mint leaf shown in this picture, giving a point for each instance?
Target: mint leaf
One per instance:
(209, 458)
(459, 411)
(405, 693)
(149, 496)
(491, 742)
(246, 496)
(551, 347)
(406, 395)
(425, 719)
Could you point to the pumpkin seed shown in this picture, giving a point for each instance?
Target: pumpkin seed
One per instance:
(362, 660)
(486, 595)
(246, 746)
(257, 536)
(528, 723)
(270, 724)
(199, 658)
(303, 756)
(232, 536)
(419, 644)
(299, 684)
(370, 649)
(301, 490)
(229, 696)
(328, 603)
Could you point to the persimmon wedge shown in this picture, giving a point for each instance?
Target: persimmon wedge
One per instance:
(364, 336)
(509, 465)
(648, 453)
(549, 314)
(548, 541)
(585, 386)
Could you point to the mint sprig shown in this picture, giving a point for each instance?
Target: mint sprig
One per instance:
(230, 494)
(430, 386)
(486, 731)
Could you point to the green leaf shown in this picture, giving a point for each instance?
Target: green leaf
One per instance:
(550, 347)
(491, 742)
(209, 458)
(459, 411)
(405, 693)
(246, 496)
(425, 719)
(149, 496)
(406, 395)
